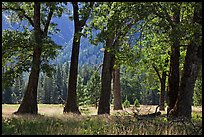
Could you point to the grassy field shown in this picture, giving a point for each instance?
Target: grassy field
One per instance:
(52, 121)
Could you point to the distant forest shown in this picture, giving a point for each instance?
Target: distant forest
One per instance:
(53, 89)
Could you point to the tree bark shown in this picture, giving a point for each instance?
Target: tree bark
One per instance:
(108, 61)
(173, 77)
(162, 80)
(163, 85)
(174, 64)
(192, 64)
(29, 103)
(185, 96)
(116, 90)
(71, 102)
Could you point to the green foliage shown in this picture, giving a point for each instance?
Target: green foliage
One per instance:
(157, 36)
(197, 96)
(126, 103)
(15, 11)
(24, 11)
(109, 18)
(130, 86)
(18, 45)
(136, 103)
(89, 86)
(94, 88)
(196, 116)
(17, 54)
(165, 104)
(82, 96)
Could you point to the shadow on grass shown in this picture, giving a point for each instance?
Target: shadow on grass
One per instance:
(28, 124)
(72, 124)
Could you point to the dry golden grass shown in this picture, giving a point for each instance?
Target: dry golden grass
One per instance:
(57, 110)
(52, 121)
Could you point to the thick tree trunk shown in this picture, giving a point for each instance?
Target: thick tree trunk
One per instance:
(116, 90)
(191, 67)
(173, 77)
(71, 102)
(174, 65)
(108, 61)
(29, 103)
(185, 96)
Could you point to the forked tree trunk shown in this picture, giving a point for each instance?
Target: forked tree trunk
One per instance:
(117, 105)
(108, 61)
(29, 103)
(162, 80)
(185, 97)
(193, 59)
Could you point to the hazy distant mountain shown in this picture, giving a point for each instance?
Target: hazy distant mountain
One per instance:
(89, 53)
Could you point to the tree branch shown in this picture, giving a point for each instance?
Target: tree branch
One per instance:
(155, 68)
(84, 19)
(99, 66)
(163, 15)
(76, 15)
(22, 11)
(48, 21)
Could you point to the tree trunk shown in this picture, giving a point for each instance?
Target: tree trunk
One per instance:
(185, 96)
(174, 64)
(191, 67)
(173, 77)
(116, 90)
(71, 102)
(47, 91)
(163, 82)
(108, 61)
(29, 103)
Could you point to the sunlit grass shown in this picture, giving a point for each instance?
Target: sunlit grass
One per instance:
(52, 121)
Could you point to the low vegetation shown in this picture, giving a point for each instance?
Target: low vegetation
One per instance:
(53, 122)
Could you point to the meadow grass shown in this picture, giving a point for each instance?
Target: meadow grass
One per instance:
(117, 123)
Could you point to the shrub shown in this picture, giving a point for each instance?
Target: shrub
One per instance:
(126, 103)
(136, 103)
(165, 104)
